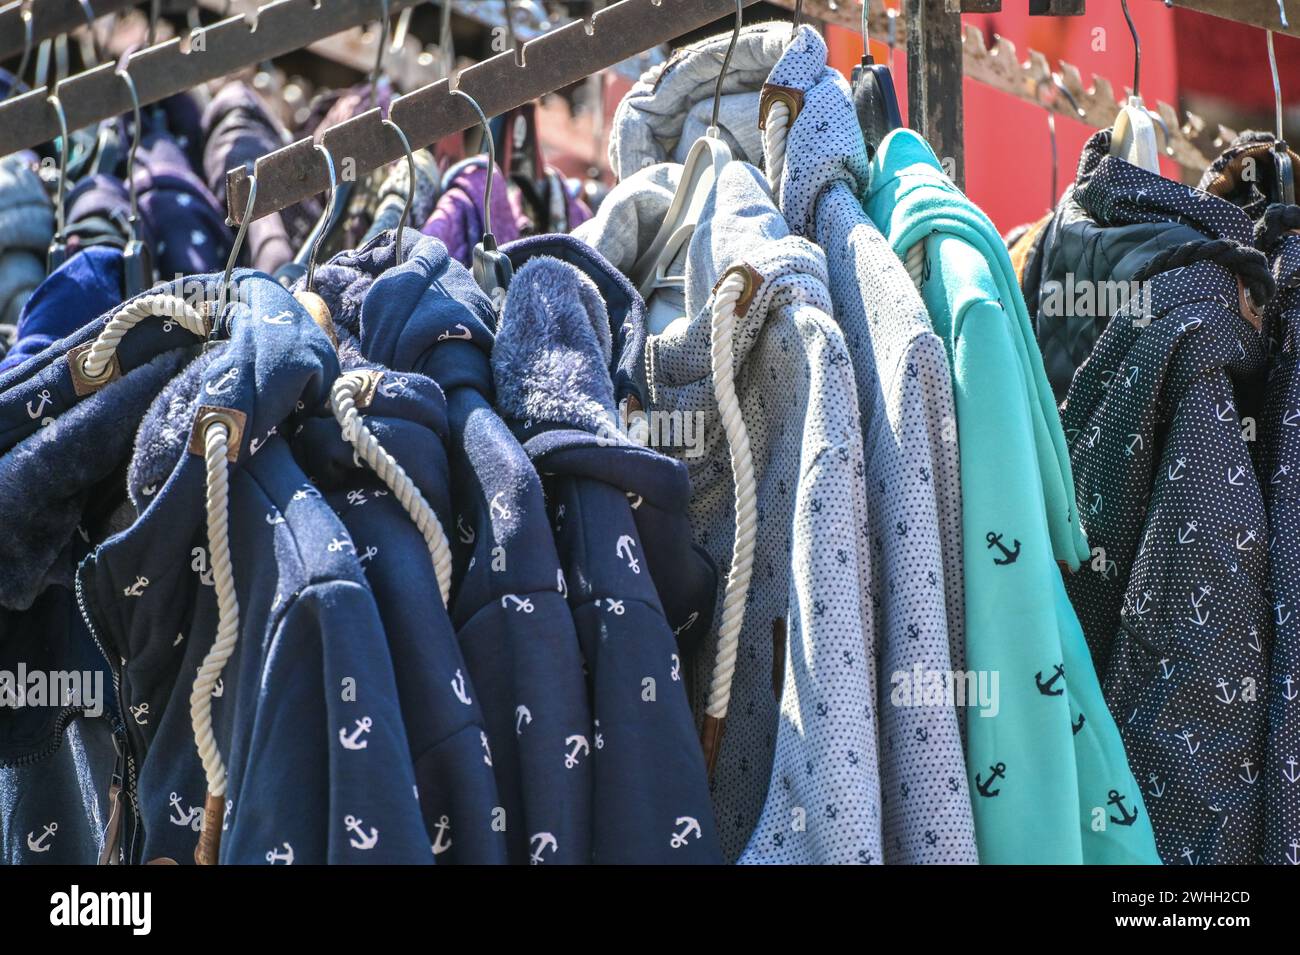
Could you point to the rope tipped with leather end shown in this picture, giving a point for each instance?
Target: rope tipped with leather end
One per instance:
(344, 405)
(725, 298)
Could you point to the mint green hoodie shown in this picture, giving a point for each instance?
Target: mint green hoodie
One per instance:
(1049, 778)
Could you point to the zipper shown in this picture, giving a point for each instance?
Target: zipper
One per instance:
(129, 786)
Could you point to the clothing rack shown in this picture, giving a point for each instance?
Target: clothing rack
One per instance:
(561, 57)
(49, 18)
(171, 67)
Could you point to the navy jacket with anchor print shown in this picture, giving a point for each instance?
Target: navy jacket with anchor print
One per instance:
(441, 708)
(551, 364)
(311, 657)
(508, 605)
(1174, 603)
(58, 763)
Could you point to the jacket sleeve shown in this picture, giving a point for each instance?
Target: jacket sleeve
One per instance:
(328, 778)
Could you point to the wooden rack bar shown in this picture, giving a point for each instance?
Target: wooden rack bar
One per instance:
(559, 58)
(168, 68)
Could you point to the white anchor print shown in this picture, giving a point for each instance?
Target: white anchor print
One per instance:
(392, 387)
(624, 550)
(45, 398)
(141, 714)
(1093, 434)
(1188, 855)
(1292, 418)
(615, 606)
(1188, 534)
(335, 545)
(1141, 608)
(1200, 619)
(487, 750)
(1098, 502)
(1278, 615)
(1289, 694)
(1166, 672)
(1186, 737)
(1291, 774)
(192, 817)
(1131, 378)
(353, 739)
(1243, 544)
(676, 672)
(1157, 787)
(1225, 411)
(1293, 857)
(523, 716)
(690, 621)
(561, 584)
(1248, 777)
(275, 855)
(466, 534)
(362, 840)
(1281, 472)
(366, 555)
(580, 747)
(1254, 643)
(540, 842)
(137, 588)
(1175, 470)
(1135, 443)
(441, 845)
(280, 318)
(600, 737)
(458, 687)
(521, 605)
(303, 493)
(222, 384)
(1223, 689)
(463, 333)
(357, 498)
(692, 828)
(41, 843)
(497, 508)
(1235, 475)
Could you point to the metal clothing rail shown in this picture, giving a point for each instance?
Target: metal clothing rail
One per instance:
(49, 18)
(171, 67)
(559, 58)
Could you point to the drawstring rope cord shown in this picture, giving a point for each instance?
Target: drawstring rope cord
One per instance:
(914, 262)
(343, 403)
(1250, 265)
(97, 358)
(725, 298)
(215, 440)
(776, 129)
(1277, 221)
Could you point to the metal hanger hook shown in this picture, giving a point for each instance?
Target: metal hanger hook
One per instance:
(89, 14)
(155, 12)
(28, 42)
(726, 61)
(410, 187)
(1137, 51)
(798, 18)
(53, 100)
(492, 161)
(239, 241)
(329, 218)
(379, 56)
(125, 72)
(1281, 12)
(1277, 85)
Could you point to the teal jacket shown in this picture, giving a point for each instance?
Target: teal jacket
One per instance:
(1050, 782)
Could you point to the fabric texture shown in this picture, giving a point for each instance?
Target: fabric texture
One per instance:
(912, 480)
(457, 218)
(26, 227)
(1177, 593)
(671, 105)
(1049, 778)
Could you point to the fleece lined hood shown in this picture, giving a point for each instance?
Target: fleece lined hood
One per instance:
(1243, 173)
(672, 104)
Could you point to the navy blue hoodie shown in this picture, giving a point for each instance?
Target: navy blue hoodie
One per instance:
(508, 604)
(59, 772)
(311, 659)
(551, 362)
(440, 705)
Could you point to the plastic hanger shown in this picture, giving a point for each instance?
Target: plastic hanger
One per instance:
(1283, 185)
(492, 269)
(1134, 135)
(703, 164)
(874, 96)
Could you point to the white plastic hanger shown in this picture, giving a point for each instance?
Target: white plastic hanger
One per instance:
(703, 163)
(1134, 136)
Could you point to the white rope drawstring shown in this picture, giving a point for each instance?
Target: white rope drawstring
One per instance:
(775, 130)
(725, 297)
(914, 262)
(95, 361)
(343, 402)
(215, 447)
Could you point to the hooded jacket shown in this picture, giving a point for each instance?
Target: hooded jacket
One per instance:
(800, 730)
(1044, 759)
(1177, 595)
(508, 606)
(912, 479)
(59, 775)
(551, 363)
(457, 217)
(440, 706)
(672, 104)
(26, 227)
(311, 657)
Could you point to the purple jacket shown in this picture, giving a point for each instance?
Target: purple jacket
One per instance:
(457, 219)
